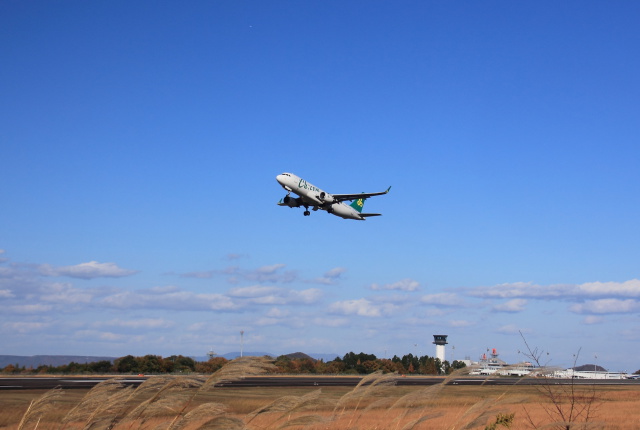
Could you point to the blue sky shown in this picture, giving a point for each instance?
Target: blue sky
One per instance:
(140, 144)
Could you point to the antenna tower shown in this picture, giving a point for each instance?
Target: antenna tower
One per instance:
(211, 354)
(241, 341)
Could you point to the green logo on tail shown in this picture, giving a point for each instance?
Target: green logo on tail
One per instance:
(358, 204)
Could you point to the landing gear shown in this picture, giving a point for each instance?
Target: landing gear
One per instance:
(307, 213)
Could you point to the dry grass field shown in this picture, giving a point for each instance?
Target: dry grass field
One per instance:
(188, 403)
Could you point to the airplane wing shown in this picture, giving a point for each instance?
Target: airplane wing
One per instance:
(343, 197)
(368, 215)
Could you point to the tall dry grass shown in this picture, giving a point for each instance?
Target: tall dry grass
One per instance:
(38, 408)
(185, 403)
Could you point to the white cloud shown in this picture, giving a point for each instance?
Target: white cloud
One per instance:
(24, 327)
(162, 289)
(519, 289)
(6, 294)
(435, 312)
(254, 291)
(64, 293)
(402, 285)
(198, 326)
(361, 307)
(30, 309)
(275, 295)
(515, 305)
(199, 275)
(178, 300)
(102, 335)
(442, 299)
(281, 319)
(511, 329)
(277, 313)
(271, 274)
(143, 323)
(629, 288)
(108, 336)
(461, 323)
(89, 270)
(20, 279)
(331, 322)
(265, 321)
(593, 319)
(308, 296)
(606, 306)
(331, 277)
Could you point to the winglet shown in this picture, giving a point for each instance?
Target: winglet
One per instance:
(388, 189)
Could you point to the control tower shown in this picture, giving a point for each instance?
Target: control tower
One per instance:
(440, 340)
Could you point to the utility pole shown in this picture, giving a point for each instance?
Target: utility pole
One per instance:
(241, 341)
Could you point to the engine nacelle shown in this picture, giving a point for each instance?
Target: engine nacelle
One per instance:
(326, 197)
(292, 202)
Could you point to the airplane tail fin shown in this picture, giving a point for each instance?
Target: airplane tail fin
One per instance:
(358, 204)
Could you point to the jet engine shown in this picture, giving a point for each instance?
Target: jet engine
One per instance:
(292, 202)
(326, 197)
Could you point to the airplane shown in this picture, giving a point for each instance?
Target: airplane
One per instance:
(310, 195)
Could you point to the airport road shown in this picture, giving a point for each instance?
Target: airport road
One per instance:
(70, 382)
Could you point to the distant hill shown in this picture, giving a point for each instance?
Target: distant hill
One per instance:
(236, 354)
(589, 368)
(48, 360)
(300, 356)
(325, 357)
(316, 356)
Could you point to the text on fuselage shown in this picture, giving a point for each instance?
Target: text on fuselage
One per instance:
(306, 186)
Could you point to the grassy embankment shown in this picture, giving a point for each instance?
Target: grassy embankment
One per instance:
(188, 403)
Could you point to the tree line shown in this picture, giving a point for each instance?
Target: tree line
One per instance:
(350, 364)
(362, 364)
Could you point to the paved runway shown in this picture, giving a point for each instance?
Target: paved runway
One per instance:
(71, 382)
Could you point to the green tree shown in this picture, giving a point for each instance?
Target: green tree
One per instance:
(126, 364)
(457, 365)
(150, 364)
(334, 367)
(74, 368)
(284, 364)
(354, 361)
(103, 366)
(185, 364)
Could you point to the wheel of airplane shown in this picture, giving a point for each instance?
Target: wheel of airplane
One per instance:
(307, 213)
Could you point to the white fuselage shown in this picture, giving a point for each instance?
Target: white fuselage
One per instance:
(314, 196)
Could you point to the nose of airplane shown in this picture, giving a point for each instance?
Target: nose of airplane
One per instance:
(280, 179)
